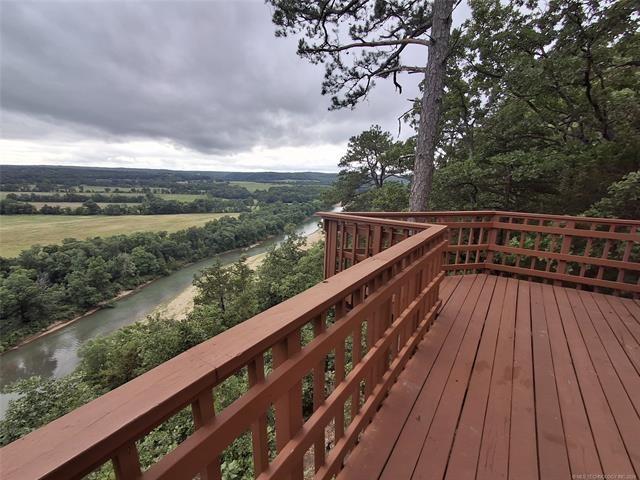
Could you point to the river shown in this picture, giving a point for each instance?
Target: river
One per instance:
(56, 354)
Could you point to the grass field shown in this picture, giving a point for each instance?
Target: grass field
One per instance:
(253, 186)
(18, 232)
(181, 197)
(74, 204)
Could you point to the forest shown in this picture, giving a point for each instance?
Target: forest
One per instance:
(214, 197)
(45, 178)
(53, 282)
(540, 108)
(226, 296)
(525, 107)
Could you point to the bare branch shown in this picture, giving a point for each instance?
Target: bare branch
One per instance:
(382, 43)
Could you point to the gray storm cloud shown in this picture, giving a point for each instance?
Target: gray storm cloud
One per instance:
(209, 76)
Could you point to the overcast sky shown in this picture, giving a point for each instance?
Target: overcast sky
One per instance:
(182, 85)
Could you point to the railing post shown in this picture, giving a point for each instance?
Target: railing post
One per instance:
(126, 462)
(330, 244)
(492, 238)
(259, 428)
(288, 407)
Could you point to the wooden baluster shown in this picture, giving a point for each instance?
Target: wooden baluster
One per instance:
(536, 249)
(480, 238)
(376, 246)
(384, 320)
(368, 251)
(492, 238)
(319, 327)
(507, 239)
(523, 235)
(552, 248)
(354, 243)
(605, 252)
(457, 258)
(565, 249)
(330, 248)
(126, 462)
(625, 258)
(341, 243)
(396, 305)
(371, 332)
(587, 253)
(356, 354)
(259, 428)
(203, 411)
(288, 408)
(339, 373)
(467, 253)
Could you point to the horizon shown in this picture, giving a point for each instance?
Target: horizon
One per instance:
(138, 88)
(168, 169)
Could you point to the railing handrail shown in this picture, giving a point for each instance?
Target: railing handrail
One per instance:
(474, 213)
(374, 220)
(87, 437)
(482, 240)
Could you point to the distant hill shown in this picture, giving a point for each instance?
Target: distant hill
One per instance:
(12, 175)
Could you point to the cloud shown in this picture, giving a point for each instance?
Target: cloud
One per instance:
(206, 79)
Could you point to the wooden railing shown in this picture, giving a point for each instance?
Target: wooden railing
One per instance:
(595, 253)
(340, 345)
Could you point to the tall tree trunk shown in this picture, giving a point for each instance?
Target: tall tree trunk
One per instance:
(430, 105)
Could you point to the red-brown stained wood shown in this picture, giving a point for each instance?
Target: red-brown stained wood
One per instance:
(403, 459)
(552, 450)
(465, 450)
(523, 453)
(546, 398)
(625, 337)
(435, 450)
(379, 438)
(621, 388)
(493, 461)
(583, 456)
(611, 450)
(564, 340)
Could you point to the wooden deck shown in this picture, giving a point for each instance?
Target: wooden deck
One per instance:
(516, 380)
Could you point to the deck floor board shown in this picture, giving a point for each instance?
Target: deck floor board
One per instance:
(515, 380)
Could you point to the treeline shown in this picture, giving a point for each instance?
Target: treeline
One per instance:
(49, 178)
(225, 297)
(53, 282)
(541, 113)
(76, 197)
(152, 205)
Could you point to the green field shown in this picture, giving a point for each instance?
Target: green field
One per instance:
(74, 204)
(18, 232)
(181, 197)
(253, 186)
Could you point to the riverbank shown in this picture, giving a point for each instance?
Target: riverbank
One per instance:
(55, 326)
(180, 306)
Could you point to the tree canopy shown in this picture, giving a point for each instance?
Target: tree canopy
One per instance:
(541, 108)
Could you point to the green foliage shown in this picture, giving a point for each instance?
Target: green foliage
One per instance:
(542, 111)
(372, 161)
(42, 401)
(392, 197)
(359, 42)
(375, 156)
(622, 199)
(287, 271)
(110, 361)
(49, 283)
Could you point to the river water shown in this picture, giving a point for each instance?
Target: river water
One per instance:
(56, 354)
